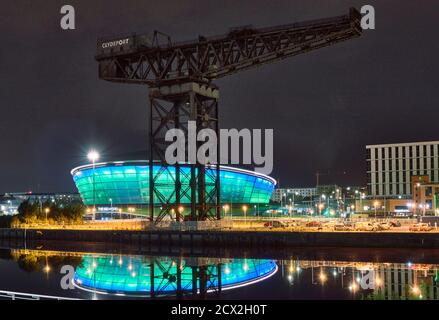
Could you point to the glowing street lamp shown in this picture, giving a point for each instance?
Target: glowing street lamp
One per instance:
(226, 208)
(376, 205)
(46, 211)
(321, 206)
(322, 277)
(416, 289)
(244, 208)
(93, 156)
(180, 210)
(378, 282)
(353, 287)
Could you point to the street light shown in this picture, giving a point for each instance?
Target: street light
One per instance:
(180, 212)
(322, 277)
(244, 208)
(93, 156)
(226, 208)
(321, 206)
(375, 205)
(46, 211)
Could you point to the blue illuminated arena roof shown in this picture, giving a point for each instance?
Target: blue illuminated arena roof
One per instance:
(127, 182)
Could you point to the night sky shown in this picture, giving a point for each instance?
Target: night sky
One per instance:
(324, 106)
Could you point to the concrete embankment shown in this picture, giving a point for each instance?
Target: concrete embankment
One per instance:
(243, 239)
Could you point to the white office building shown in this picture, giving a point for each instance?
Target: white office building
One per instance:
(391, 166)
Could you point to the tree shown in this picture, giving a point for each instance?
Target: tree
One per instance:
(28, 211)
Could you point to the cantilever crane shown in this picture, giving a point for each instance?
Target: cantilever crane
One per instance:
(179, 77)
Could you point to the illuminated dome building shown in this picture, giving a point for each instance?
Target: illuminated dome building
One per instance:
(164, 276)
(127, 183)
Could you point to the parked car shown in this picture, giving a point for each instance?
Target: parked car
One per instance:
(275, 224)
(313, 224)
(395, 223)
(420, 227)
(343, 227)
(383, 226)
(330, 224)
(294, 224)
(366, 226)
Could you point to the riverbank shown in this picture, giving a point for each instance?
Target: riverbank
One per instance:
(241, 239)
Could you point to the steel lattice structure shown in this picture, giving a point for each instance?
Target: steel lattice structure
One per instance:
(180, 77)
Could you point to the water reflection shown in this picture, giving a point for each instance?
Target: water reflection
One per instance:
(161, 276)
(175, 277)
(362, 280)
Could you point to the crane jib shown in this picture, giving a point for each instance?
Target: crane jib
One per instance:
(138, 59)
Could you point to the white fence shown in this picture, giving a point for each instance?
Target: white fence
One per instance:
(29, 296)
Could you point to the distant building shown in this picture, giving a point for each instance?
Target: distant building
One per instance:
(328, 190)
(285, 194)
(383, 206)
(9, 202)
(425, 196)
(8, 205)
(390, 167)
(43, 197)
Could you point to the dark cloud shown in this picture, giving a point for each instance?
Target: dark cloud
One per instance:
(324, 106)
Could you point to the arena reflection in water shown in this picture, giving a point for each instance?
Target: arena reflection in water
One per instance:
(166, 276)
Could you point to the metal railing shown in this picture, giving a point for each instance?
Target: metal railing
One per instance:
(30, 296)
